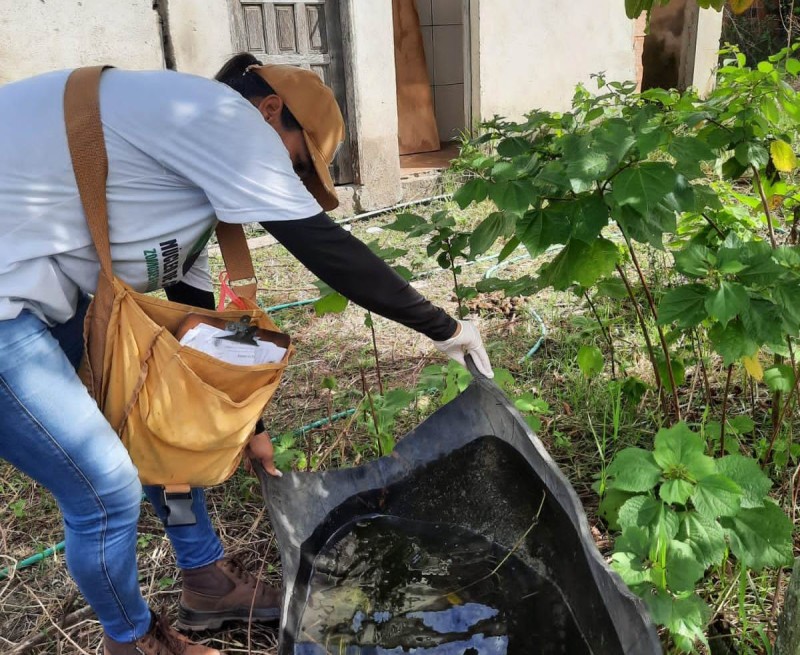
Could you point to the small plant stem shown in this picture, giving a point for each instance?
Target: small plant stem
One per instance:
(375, 352)
(660, 331)
(713, 224)
(787, 403)
(606, 334)
(724, 410)
(765, 205)
(776, 400)
(456, 286)
(706, 383)
(371, 409)
(647, 341)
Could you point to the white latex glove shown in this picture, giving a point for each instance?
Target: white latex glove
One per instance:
(467, 341)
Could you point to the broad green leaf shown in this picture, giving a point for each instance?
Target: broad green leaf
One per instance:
(704, 536)
(685, 305)
(783, 156)
(746, 472)
(761, 536)
(689, 152)
(631, 568)
(511, 246)
(742, 424)
(683, 569)
(634, 469)
(473, 191)
(787, 295)
(408, 223)
(589, 215)
(717, 495)
(660, 521)
(688, 148)
(733, 169)
(727, 302)
(540, 229)
(634, 389)
(609, 506)
(779, 378)
(732, 341)
(511, 195)
(762, 321)
(685, 617)
(332, 303)
(681, 453)
(581, 263)
(585, 164)
(648, 228)
(678, 372)
(694, 260)
(635, 7)
(513, 146)
(492, 227)
(614, 138)
(792, 67)
(752, 153)
(590, 360)
(643, 187)
(612, 287)
(676, 492)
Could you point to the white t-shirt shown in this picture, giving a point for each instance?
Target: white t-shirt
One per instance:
(183, 153)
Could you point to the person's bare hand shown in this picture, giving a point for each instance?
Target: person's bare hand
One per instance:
(260, 448)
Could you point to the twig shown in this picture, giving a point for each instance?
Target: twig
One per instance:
(765, 204)
(605, 331)
(713, 224)
(661, 337)
(68, 620)
(52, 621)
(372, 410)
(647, 341)
(724, 410)
(375, 352)
(786, 405)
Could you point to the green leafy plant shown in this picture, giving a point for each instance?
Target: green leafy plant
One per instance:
(681, 513)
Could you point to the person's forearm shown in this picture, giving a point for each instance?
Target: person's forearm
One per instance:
(348, 266)
(188, 295)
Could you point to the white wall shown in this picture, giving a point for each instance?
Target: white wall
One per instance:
(372, 107)
(201, 35)
(37, 36)
(532, 53)
(709, 30)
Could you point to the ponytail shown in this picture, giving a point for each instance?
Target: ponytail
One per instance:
(250, 84)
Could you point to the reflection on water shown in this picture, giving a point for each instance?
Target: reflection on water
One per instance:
(391, 586)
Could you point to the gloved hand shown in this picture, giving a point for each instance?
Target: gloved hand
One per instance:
(467, 341)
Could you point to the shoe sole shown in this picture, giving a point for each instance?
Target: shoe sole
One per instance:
(198, 621)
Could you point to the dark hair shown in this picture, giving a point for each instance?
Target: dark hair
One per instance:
(251, 85)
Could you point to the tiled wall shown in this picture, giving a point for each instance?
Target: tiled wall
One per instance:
(442, 24)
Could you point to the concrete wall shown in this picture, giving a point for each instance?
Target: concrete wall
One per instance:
(372, 103)
(201, 35)
(36, 36)
(531, 53)
(709, 30)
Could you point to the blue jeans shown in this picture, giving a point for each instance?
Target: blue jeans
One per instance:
(52, 430)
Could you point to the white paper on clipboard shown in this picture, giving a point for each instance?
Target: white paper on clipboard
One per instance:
(202, 337)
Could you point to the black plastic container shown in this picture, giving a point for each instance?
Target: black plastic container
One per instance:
(474, 473)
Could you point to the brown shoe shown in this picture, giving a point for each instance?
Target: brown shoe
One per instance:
(225, 591)
(160, 640)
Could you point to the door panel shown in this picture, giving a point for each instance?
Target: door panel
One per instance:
(306, 34)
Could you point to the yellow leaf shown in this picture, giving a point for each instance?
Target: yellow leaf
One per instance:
(741, 6)
(782, 156)
(454, 598)
(753, 366)
(776, 201)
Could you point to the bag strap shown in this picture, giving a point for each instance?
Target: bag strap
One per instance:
(90, 163)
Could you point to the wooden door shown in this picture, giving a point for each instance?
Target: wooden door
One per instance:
(306, 34)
